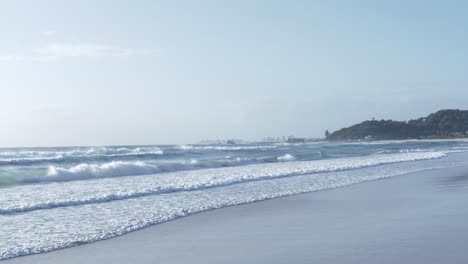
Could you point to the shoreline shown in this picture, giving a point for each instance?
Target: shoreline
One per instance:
(405, 218)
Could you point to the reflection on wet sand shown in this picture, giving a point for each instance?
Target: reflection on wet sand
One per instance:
(453, 182)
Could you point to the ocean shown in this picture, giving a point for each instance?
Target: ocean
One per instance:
(52, 198)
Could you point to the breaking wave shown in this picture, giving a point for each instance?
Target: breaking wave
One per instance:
(111, 169)
(287, 157)
(225, 148)
(29, 157)
(53, 198)
(137, 186)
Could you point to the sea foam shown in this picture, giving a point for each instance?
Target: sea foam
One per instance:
(32, 197)
(53, 198)
(117, 217)
(286, 157)
(39, 156)
(111, 169)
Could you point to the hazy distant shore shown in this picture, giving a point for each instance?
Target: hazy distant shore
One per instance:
(415, 218)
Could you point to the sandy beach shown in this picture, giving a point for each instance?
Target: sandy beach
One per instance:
(415, 218)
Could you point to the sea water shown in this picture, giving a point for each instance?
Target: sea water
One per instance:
(51, 198)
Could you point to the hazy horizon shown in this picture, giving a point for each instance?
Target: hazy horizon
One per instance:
(141, 73)
(203, 141)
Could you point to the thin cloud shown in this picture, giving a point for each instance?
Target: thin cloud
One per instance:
(77, 50)
(61, 50)
(11, 57)
(49, 33)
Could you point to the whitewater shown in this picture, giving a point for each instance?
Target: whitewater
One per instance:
(52, 198)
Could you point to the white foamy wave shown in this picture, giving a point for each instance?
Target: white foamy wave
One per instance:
(33, 197)
(91, 222)
(225, 148)
(160, 152)
(184, 147)
(18, 156)
(28, 156)
(111, 169)
(115, 152)
(29, 160)
(287, 157)
(458, 149)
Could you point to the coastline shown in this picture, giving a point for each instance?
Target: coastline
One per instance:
(414, 218)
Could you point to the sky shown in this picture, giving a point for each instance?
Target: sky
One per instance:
(116, 72)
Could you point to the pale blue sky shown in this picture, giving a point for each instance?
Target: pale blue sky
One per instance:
(152, 72)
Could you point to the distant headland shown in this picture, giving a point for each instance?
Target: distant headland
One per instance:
(443, 124)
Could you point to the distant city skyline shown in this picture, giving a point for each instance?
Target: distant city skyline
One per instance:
(174, 72)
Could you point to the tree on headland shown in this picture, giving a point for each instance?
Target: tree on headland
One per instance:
(450, 123)
(327, 134)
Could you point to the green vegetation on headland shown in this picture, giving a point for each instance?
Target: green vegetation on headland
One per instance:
(440, 125)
